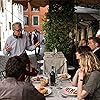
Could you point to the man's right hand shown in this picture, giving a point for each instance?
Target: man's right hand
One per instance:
(8, 48)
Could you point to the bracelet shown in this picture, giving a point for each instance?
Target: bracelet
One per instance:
(81, 79)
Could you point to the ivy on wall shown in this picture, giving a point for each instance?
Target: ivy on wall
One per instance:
(58, 25)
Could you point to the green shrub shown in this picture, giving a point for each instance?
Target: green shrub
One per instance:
(58, 25)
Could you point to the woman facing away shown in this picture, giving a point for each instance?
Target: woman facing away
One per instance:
(88, 77)
(11, 88)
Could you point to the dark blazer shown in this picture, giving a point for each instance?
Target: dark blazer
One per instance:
(35, 38)
(97, 53)
(31, 93)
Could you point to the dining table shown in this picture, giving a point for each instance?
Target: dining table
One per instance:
(57, 60)
(57, 92)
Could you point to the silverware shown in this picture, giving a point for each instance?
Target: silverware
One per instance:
(64, 95)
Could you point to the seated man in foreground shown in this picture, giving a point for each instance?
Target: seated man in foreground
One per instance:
(11, 88)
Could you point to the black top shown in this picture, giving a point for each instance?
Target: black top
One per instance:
(35, 38)
(31, 93)
(97, 53)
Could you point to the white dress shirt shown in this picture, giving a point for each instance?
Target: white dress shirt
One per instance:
(18, 45)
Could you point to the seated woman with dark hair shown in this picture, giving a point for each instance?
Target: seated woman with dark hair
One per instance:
(82, 49)
(83, 42)
(13, 89)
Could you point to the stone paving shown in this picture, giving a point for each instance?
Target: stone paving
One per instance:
(3, 60)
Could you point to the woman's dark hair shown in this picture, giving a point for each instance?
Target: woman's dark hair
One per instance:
(25, 58)
(15, 67)
(82, 49)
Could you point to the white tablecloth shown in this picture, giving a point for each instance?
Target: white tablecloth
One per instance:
(58, 96)
(57, 60)
(57, 90)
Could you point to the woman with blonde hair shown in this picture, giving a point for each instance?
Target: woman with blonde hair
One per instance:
(83, 42)
(89, 77)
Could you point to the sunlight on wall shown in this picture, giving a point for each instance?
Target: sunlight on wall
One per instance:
(11, 14)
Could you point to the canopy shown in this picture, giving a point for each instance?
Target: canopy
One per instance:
(36, 3)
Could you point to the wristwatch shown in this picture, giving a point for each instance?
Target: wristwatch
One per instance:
(81, 79)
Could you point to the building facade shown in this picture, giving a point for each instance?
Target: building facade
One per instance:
(34, 18)
(9, 13)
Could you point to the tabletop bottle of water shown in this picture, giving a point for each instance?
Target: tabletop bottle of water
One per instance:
(52, 76)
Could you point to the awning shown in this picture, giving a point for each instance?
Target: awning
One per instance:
(34, 3)
(95, 3)
(87, 14)
(88, 2)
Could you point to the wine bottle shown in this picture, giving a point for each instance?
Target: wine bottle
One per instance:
(52, 76)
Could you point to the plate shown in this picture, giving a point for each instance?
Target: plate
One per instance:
(64, 76)
(38, 79)
(49, 91)
(71, 91)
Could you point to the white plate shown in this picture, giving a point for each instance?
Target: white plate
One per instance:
(71, 91)
(60, 76)
(49, 91)
(34, 79)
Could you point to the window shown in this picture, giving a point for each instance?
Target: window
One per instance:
(25, 20)
(35, 20)
(20, 8)
(1, 6)
(10, 25)
(36, 9)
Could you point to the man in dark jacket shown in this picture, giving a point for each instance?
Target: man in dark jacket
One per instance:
(94, 44)
(13, 89)
(35, 39)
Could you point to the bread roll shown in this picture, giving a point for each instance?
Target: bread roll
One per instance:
(42, 89)
(44, 82)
